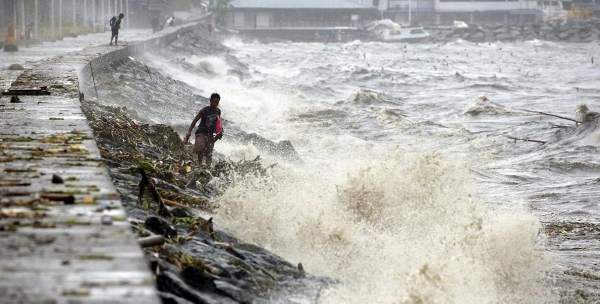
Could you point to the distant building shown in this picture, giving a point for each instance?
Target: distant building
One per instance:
(489, 11)
(440, 12)
(271, 14)
(583, 9)
(421, 11)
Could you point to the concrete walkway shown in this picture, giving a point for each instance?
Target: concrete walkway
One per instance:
(31, 55)
(64, 236)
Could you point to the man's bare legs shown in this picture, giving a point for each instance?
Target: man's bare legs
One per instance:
(206, 153)
(200, 158)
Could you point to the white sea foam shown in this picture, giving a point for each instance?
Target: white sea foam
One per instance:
(402, 229)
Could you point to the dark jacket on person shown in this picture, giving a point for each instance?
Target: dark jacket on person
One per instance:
(115, 24)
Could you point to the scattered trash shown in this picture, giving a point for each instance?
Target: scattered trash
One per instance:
(67, 199)
(106, 220)
(57, 179)
(27, 91)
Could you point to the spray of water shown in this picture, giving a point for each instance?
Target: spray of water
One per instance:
(401, 229)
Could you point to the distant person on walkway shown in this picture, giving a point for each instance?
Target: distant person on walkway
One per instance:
(29, 31)
(170, 21)
(209, 130)
(115, 26)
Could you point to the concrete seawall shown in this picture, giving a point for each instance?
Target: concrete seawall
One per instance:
(64, 234)
(105, 60)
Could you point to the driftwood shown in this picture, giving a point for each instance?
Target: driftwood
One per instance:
(526, 139)
(147, 187)
(553, 115)
(174, 204)
(151, 241)
(577, 122)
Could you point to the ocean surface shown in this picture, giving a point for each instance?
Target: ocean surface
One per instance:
(411, 187)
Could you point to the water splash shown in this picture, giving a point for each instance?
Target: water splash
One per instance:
(402, 229)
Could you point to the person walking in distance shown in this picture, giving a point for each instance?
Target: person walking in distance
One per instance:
(115, 26)
(209, 130)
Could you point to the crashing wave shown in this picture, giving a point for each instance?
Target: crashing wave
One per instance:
(367, 97)
(586, 133)
(484, 106)
(402, 229)
(388, 115)
(380, 26)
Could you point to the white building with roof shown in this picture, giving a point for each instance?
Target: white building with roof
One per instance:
(470, 11)
(274, 14)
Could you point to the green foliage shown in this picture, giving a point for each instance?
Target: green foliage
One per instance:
(183, 260)
(186, 221)
(146, 165)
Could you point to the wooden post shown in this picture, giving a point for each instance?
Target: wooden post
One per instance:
(13, 19)
(86, 18)
(101, 15)
(74, 13)
(10, 44)
(36, 19)
(60, 19)
(109, 11)
(21, 9)
(93, 15)
(52, 21)
(106, 13)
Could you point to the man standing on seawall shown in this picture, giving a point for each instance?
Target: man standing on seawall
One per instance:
(115, 26)
(209, 130)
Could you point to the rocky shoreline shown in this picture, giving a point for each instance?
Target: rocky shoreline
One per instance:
(170, 201)
(566, 31)
(574, 31)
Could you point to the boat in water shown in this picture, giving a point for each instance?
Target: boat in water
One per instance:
(405, 34)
